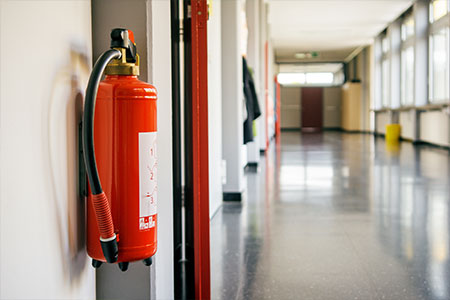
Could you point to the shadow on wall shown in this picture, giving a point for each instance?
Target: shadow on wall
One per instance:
(62, 117)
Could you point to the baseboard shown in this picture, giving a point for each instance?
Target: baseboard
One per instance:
(358, 131)
(407, 140)
(339, 129)
(423, 143)
(415, 142)
(291, 129)
(227, 196)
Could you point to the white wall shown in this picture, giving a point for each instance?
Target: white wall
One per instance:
(45, 60)
(215, 107)
(159, 53)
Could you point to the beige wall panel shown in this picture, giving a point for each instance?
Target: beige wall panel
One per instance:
(351, 106)
(382, 119)
(332, 107)
(434, 128)
(407, 122)
(290, 107)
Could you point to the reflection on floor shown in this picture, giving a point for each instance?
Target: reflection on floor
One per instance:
(337, 216)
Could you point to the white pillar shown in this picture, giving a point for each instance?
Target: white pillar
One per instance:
(262, 74)
(253, 61)
(215, 106)
(232, 100)
(421, 23)
(421, 52)
(150, 23)
(394, 33)
(160, 75)
(106, 15)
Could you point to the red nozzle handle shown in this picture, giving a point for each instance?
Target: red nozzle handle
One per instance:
(104, 217)
(108, 238)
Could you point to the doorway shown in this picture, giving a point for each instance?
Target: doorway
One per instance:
(312, 109)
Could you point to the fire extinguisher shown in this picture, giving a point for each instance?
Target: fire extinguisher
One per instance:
(119, 147)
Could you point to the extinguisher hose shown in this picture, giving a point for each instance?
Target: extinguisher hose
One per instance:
(100, 201)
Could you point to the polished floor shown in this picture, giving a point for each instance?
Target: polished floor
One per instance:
(337, 216)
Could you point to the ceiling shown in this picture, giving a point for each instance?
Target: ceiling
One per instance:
(333, 28)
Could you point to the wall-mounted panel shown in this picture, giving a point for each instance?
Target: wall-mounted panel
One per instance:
(351, 106)
(290, 107)
(434, 128)
(332, 98)
(407, 121)
(382, 119)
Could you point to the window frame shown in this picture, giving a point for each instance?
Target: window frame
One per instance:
(407, 42)
(435, 27)
(385, 57)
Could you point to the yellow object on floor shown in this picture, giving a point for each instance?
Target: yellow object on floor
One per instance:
(393, 132)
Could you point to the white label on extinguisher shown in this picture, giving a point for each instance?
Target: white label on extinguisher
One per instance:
(148, 188)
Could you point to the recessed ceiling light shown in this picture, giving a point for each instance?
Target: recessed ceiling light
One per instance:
(302, 55)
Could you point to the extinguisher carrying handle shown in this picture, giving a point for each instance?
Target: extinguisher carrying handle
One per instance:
(102, 209)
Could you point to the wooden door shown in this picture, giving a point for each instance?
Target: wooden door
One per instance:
(312, 109)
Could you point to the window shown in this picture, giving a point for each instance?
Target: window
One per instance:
(407, 61)
(439, 73)
(291, 78)
(312, 78)
(408, 27)
(439, 66)
(319, 78)
(385, 72)
(407, 76)
(385, 44)
(311, 74)
(385, 82)
(438, 9)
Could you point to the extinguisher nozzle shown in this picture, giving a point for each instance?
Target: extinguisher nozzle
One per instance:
(110, 250)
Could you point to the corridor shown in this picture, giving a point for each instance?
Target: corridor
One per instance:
(337, 216)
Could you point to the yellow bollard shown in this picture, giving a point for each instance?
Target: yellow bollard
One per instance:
(393, 133)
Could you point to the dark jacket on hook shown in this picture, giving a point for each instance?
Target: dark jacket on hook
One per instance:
(251, 102)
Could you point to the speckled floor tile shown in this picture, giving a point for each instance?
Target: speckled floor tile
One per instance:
(337, 216)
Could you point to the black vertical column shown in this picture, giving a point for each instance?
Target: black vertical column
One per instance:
(189, 283)
(176, 152)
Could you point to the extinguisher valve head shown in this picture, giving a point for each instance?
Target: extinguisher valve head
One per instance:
(110, 249)
(120, 38)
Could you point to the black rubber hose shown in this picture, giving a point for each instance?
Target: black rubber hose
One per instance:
(88, 118)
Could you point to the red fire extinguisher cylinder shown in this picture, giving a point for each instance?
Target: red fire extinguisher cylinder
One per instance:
(119, 143)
